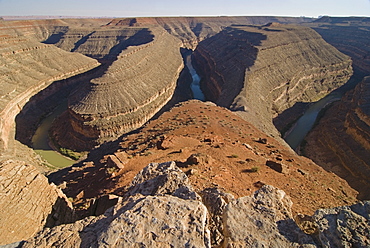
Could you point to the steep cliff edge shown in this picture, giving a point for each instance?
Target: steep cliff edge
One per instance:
(27, 67)
(340, 141)
(263, 70)
(161, 209)
(132, 89)
(28, 202)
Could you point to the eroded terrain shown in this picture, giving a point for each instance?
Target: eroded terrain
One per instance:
(117, 74)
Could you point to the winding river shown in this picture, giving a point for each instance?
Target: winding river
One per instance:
(293, 137)
(40, 141)
(195, 85)
(304, 124)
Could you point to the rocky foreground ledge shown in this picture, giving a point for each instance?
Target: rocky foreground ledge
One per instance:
(162, 210)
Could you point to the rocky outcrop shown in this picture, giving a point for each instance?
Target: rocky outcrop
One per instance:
(340, 141)
(28, 67)
(263, 70)
(28, 202)
(157, 212)
(133, 88)
(263, 220)
(346, 226)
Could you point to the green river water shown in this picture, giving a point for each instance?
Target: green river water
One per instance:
(40, 141)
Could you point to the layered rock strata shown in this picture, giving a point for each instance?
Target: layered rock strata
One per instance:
(350, 35)
(160, 211)
(133, 88)
(192, 30)
(28, 202)
(27, 67)
(340, 141)
(264, 70)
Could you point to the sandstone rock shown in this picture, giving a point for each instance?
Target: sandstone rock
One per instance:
(164, 221)
(154, 214)
(161, 179)
(114, 162)
(141, 220)
(278, 166)
(151, 221)
(165, 143)
(28, 202)
(197, 158)
(347, 226)
(122, 156)
(262, 220)
(216, 200)
(105, 202)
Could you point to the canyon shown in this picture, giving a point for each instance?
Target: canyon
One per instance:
(123, 80)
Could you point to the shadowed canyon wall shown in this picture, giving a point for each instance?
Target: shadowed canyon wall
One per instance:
(262, 71)
(350, 36)
(340, 141)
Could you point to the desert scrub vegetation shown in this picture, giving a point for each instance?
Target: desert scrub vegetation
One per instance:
(255, 169)
(69, 153)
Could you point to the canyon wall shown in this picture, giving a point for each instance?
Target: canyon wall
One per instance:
(263, 70)
(340, 141)
(27, 67)
(192, 30)
(131, 90)
(350, 35)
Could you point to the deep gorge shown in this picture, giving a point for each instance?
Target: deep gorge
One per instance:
(127, 83)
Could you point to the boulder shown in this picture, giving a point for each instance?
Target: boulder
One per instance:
(263, 220)
(114, 162)
(197, 158)
(159, 221)
(345, 226)
(277, 166)
(161, 211)
(164, 178)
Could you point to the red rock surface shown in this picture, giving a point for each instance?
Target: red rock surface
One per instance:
(231, 154)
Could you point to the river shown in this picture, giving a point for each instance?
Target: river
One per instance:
(40, 141)
(195, 84)
(304, 124)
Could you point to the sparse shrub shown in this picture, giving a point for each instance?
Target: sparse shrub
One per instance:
(111, 170)
(255, 169)
(69, 153)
